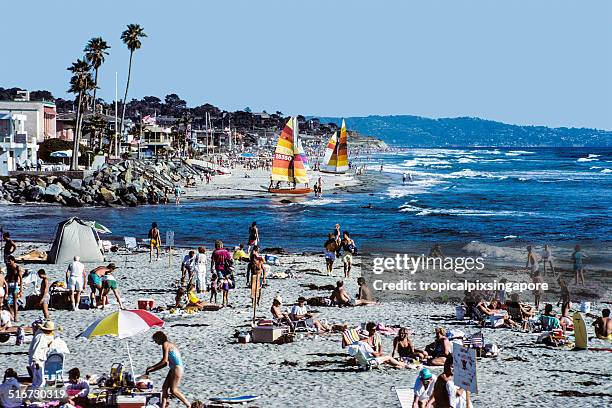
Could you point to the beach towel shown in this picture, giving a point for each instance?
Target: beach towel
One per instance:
(349, 337)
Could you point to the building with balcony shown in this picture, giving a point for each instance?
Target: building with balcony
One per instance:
(17, 147)
(155, 140)
(40, 116)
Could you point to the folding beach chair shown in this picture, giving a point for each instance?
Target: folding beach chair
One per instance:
(130, 244)
(350, 336)
(365, 362)
(54, 368)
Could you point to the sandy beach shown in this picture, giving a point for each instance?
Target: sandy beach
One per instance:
(313, 370)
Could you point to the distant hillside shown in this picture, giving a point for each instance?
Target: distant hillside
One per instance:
(408, 130)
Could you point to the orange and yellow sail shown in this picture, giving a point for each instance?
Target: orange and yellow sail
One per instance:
(335, 159)
(288, 163)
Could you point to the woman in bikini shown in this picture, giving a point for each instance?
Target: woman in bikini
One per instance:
(402, 345)
(155, 238)
(171, 357)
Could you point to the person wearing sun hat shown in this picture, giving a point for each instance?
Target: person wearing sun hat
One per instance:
(423, 388)
(37, 354)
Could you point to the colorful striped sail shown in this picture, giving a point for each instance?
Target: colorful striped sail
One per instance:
(336, 154)
(288, 163)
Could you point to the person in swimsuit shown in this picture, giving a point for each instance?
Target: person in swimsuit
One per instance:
(253, 237)
(547, 259)
(348, 248)
(3, 289)
(9, 246)
(171, 357)
(403, 347)
(45, 297)
(14, 281)
(340, 297)
(532, 262)
(330, 247)
(603, 325)
(440, 348)
(94, 280)
(154, 236)
(109, 283)
(577, 257)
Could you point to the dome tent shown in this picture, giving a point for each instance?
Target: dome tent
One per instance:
(75, 237)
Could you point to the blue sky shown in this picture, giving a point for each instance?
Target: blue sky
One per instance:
(543, 62)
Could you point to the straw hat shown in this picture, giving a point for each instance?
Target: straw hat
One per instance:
(48, 326)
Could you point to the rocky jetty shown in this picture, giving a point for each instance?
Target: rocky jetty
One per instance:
(128, 183)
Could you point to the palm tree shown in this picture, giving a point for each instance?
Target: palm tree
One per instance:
(131, 38)
(80, 83)
(95, 50)
(96, 125)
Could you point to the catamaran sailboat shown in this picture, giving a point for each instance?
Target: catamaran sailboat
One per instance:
(289, 163)
(335, 159)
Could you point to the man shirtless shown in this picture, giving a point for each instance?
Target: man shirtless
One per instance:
(9, 246)
(603, 325)
(14, 280)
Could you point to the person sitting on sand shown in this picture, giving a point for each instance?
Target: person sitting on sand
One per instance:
(330, 248)
(403, 347)
(180, 297)
(192, 298)
(339, 297)
(171, 357)
(603, 325)
(109, 283)
(6, 319)
(526, 311)
(549, 320)
(364, 296)
(299, 313)
(445, 393)
(77, 389)
(440, 349)
(372, 348)
(10, 390)
(423, 388)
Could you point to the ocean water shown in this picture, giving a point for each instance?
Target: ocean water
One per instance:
(456, 195)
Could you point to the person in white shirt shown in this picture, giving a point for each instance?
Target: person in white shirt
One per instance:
(188, 267)
(200, 268)
(299, 312)
(75, 280)
(423, 388)
(9, 397)
(548, 259)
(37, 354)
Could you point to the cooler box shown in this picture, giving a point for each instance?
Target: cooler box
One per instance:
(266, 334)
(146, 304)
(129, 401)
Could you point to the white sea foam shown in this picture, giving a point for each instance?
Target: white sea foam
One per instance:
(465, 160)
(587, 159)
(498, 252)
(321, 201)
(469, 173)
(417, 186)
(510, 237)
(606, 171)
(461, 212)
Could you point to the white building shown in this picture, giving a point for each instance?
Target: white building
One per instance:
(17, 147)
(41, 117)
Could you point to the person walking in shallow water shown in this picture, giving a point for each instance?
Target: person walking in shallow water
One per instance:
(577, 257)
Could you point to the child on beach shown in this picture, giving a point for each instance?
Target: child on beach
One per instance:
(214, 287)
(225, 288)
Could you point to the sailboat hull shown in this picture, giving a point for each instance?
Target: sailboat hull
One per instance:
(290, 191)
(332, 172)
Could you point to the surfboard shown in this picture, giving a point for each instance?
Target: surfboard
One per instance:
(243, 399)
(405, 396)
(580, 332)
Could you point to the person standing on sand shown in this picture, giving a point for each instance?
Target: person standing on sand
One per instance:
(547, 259)
(253, 237)
(219, 260)
(348, 247)
(109, 283)
(201, 270)
(75, 280)
(330, 247)
(177, 194)
(9, 246)
(4, 290)
(155, 237)
(188, 267)
(577, 258)
(14, 281)
(171, 357)
(532, 262)
(45, 297)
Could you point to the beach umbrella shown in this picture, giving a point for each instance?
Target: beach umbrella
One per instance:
(123, 324)
(99, 227)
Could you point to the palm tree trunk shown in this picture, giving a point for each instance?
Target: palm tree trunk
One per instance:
(74, 161)
(127, 86)
(95, 89)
